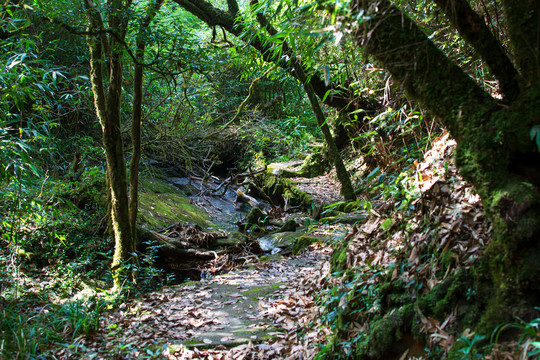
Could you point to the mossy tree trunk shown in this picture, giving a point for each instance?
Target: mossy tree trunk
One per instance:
(347, 190)
(137, 117)
(107, 48)
(107, 100)
(494, 151)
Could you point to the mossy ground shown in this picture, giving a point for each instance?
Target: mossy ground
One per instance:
(161, 204)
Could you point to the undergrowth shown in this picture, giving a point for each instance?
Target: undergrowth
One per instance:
(54, 265)
(401, 284)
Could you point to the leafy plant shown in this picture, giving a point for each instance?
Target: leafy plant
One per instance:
(529, 340)
(30, 328)
(468, 350)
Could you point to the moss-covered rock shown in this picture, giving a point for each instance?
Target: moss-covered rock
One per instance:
(160, 204)
(255, 217)
(283, 191)
(234, 238)
(282, 240)
(314, 165)
(290, 225)
(301, 243)
(345, 218)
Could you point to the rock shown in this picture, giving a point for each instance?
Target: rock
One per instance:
(352, 218)
(283, 241)
(255, 217)
(184, 184)
(314, 165)
(287, 167)
(290, 225)
(233, 239)
(301, 243)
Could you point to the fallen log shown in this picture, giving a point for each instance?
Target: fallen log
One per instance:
(174, 247)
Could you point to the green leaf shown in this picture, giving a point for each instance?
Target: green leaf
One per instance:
(326, 95)
(373, 173)
(278, 38)
(326, 75)
(356, 111)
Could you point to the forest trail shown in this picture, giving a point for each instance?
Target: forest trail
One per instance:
(258, 309)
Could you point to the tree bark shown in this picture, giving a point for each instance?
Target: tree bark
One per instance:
(136, 119)
(347, 190)
(494, 151)
(523, 19)
(108, 111)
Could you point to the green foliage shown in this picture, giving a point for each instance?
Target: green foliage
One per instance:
(31, 328)
(355, 301)
(150, 276)
(529, 339)
(469, 343)
(268, 140)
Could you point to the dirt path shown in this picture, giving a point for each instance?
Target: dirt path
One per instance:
(255, 312)
(323, 189)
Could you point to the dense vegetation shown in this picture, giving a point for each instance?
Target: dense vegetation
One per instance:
(100, 96)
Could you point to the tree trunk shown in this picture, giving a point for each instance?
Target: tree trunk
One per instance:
(136, 141)
(108, 111)
(347, 190)
(494, 150)
(136, 119)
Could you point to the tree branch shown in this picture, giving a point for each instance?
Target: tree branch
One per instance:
(340, 99)
(475, 31)
(423, 70)
(522, 18)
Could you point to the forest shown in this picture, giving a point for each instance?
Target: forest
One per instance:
(270, 179)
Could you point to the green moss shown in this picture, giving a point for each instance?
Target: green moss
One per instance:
(456, 292)
(157, 187)
(394, 294)
(384, 339)
(273, 187)
(255, 217)
(447, 258)
(338, 260)
(301, 243)
(290, 225)
(262, 291)
(510, 267)
(270, 257)
(283, 190)
(158, 210)
(314, 165)
(233, 239)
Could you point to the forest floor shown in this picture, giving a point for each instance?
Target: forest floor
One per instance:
(268, 309)
(253, 312)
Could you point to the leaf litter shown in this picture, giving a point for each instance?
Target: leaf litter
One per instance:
(448, 217)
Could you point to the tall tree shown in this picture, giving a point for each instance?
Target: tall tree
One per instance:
(136, 116)
(495, 152)
(347, 189)
(106, 46)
